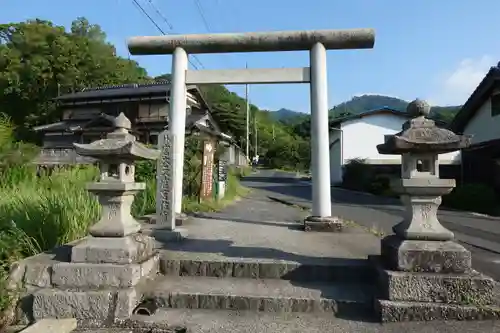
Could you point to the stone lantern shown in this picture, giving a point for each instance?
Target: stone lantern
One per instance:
(115, 238)
(116, 187)
(420, 187)
(99, 280)
(424, 274)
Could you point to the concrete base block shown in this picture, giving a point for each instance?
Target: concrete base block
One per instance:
(120, 250)
(471, 288)
(397, 311)
(180, 219)
(126, 301)
(166, 235)
(424, 256)
(83, 275)
(323, 224)
(91, 308)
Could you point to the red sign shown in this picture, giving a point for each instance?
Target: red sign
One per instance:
(207, 170)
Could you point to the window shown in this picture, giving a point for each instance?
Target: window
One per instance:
(495, 105)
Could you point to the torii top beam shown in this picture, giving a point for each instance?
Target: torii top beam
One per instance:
(253, 41)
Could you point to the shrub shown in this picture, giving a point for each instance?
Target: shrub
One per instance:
(357, 175)
(364, 177)
(380, 185)
(478, 198)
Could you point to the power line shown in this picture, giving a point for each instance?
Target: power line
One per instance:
(138, 5)
(149, 17)
(161, 15)
(200, 11)
(167, 22)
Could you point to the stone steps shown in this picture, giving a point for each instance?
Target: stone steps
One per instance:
(399, 311)
(335, 270)
(262, 295)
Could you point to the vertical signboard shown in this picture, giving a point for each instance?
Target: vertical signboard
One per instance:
(222, 178)
(222, 171)
(207, 170)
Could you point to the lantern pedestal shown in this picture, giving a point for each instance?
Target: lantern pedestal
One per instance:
(421, 198)
(116, 200)
(422, 273)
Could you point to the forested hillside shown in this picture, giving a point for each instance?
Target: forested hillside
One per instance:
(364, 103)
(360, 104)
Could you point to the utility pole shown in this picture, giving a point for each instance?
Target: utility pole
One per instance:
(248, 120)
(274, 138)
(255, 129)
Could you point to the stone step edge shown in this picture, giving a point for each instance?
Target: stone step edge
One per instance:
(215, 301)
(266, 269)
(220, 318)
(399, 311)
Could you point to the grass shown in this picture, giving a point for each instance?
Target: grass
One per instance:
(40, 213)
(234, 190)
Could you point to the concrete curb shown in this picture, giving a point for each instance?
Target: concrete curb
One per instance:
(289, 202)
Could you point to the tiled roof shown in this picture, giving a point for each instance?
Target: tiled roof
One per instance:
(115, 91)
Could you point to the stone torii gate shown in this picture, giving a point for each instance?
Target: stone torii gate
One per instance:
(316, 41)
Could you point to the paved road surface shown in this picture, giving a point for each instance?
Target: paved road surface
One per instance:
(480, 234)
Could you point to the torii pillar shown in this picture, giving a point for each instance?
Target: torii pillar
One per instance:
(316, 41)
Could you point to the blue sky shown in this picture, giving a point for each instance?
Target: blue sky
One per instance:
(437, 50)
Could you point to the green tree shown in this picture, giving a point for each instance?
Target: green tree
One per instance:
(39, 60)
(82, 27)
(228, 110)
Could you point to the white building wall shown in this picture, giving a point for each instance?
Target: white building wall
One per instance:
(335, 157)
(359, 139)
(483, 127)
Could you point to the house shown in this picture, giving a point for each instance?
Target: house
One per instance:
(480, 117)
(146, 105)
(357, 137)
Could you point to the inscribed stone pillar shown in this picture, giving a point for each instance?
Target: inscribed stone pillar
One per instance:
(165, 202)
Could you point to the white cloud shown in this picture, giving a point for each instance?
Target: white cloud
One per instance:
(455, 87)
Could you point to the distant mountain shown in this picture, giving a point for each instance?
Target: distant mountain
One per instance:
(360, 104)
(286, 114)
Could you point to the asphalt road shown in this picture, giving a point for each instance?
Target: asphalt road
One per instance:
(478, 233)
